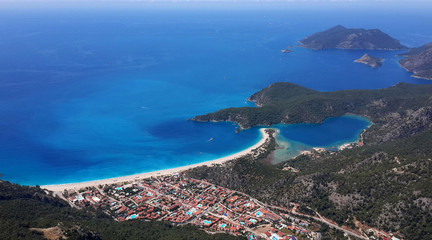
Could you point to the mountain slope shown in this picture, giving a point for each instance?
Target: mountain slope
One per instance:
(419, 61)
(385, 186)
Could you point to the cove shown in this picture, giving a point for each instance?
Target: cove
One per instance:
(333, 132)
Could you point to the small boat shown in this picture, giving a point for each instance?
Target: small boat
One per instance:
(211, 139)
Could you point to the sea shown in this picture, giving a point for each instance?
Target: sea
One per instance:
(98, 90)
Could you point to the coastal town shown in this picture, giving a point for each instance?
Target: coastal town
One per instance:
(181, 200)
(172, 197)
(215, 209)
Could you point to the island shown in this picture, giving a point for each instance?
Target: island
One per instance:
(349, 38)
(418, 61)
(369, 60)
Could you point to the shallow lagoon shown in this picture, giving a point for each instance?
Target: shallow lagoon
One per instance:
(330, 134)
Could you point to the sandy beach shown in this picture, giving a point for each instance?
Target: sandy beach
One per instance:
(79, 185)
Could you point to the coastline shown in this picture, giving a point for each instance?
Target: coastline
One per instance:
(413, 74)
(76, 186)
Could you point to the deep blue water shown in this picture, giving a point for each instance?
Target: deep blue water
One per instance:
(95, 93)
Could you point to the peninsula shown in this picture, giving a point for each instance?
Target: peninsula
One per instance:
(349, 38)
(397, 112)
(418, 61)
(369, 60)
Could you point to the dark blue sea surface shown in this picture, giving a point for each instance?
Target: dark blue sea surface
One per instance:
(91, 93)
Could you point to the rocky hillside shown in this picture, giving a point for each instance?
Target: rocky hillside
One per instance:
(348, 38)
(419, 61)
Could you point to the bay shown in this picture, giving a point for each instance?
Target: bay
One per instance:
(94, 93)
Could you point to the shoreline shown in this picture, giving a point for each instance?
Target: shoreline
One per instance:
(128, 178)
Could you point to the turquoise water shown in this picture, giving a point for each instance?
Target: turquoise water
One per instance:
(330, 134)
(98, 93)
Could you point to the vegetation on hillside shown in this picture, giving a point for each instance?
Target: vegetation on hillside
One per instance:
(397, 112)
(385, 186)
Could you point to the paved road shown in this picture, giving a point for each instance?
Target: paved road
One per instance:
(319, 219)
(293, 211)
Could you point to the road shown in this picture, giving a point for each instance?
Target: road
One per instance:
(319, 219)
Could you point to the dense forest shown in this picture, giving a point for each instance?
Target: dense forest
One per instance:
(24, 209)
